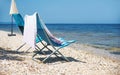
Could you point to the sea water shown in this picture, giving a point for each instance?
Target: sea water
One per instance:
(107, 35)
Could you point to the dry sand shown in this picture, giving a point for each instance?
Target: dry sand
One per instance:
(82, 61)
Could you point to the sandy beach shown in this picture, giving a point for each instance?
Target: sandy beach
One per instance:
(82, 61)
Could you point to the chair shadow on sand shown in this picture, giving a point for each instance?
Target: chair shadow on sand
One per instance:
(11, 55)
(14, 55)
(55, 59)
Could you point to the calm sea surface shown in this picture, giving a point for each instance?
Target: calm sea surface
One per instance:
(107, 35)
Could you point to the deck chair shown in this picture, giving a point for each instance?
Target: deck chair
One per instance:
(20, 23)
(56, 43)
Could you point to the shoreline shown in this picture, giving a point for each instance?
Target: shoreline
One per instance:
(97, 51)
(102, 51)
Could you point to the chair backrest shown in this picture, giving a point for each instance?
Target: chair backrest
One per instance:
(19, 21)
(45, 34)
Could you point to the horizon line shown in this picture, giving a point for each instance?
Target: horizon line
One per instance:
(64, 23)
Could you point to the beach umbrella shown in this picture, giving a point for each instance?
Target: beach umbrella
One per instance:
(13, 10)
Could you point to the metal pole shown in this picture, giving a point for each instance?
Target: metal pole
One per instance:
(11, 28)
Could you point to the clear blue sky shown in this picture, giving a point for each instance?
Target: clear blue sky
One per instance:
(66, 11)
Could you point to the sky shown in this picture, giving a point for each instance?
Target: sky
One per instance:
(66, 11)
